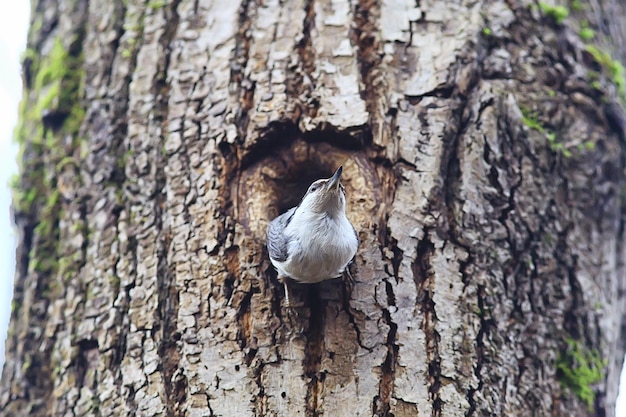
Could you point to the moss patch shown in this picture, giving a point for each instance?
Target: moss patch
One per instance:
(587, 33)
(157, 4)
(557, 13)
(577, 6)
(555, 145)
(578, 369)
(614, 68)
(51, 111)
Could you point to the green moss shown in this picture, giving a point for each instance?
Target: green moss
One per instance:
(557, 13)
(157, 4)
(487, 31)
(74, 120)
(578, 369)
(136, 27)
(53, 68)
(577, 6)
(48, 98)
(555, 146)
(587, 33)
(45, 227)
(45, 264)
(37, 23)
(67, 160)
(69, 265)
(14, 182)
(15, 306)
(26, 365)
(532, 123)
(615, 68)
(58, 85)
(114, 282)
(65, 263)
(28, 54)
(56, 90)
(22, 198)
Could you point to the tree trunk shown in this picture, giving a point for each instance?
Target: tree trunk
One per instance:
(484, 166)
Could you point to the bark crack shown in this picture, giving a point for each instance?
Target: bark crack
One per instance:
(242, 86)
(365, 35)
(301, 82)
(313, 353)
(166, 275)
(382, 402)
(118, 21)
(347, 295)
(486, 323)
(424, 281)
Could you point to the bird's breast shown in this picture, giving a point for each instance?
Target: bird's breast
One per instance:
(320, 247)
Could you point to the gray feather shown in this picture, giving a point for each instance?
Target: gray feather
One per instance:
(276, 240)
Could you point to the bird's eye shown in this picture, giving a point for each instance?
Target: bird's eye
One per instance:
(314, 187)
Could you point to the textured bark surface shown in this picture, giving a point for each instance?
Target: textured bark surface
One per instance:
(483, 162)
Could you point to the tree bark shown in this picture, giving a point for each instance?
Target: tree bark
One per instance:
(482, 145)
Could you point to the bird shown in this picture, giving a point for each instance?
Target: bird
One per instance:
(313, 241)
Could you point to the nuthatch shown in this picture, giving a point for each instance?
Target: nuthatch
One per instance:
(313, 241)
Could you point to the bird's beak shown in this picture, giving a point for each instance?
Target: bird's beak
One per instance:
(335, 180)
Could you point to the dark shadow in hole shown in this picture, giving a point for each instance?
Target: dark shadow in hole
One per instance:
(280, 134)
(293, 188)
(342, 140)
(277, 135)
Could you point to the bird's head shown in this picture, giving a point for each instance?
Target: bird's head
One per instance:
(326, 195)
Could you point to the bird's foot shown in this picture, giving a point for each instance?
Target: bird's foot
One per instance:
(349, 278)
(285, 281)
(348, 285)
(287, 303)
(288, 307)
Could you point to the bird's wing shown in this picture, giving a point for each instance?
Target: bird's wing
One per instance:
(276, 240)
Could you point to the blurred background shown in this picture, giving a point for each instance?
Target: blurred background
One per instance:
(13, 28)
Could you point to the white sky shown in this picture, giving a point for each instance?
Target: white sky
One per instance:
(13, 27)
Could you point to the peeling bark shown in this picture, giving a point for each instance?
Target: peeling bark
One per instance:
(484, 174)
